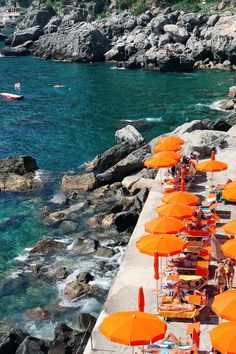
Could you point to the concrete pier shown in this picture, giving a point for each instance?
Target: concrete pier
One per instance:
(137, 270)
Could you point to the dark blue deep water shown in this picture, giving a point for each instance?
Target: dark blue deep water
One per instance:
(64, 127)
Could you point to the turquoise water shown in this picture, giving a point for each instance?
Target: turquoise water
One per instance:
(64, 127)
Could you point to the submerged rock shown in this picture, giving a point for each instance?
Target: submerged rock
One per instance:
(38, 313)
(47, 247)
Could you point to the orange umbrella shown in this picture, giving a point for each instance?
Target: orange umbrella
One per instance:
(224, 305)
(164, 225)
(229, 249)
(181, 197)
(171, 139)
(223, 337)
(177, 210)
(141, 300)
(161, 160)
(230, 228)
(165, 245)
(133, 328)
(168, 154)
(229, 194)
(211, 165)
(167, 146)
(230, 185)
(156, 265)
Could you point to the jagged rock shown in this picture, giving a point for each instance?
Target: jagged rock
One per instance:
(177, 34)
(52, 25)
(156, 25)
(200, 49)
(58, 273)
(129, 181)
(82, 183)
(110, 157)
(85, 245)
(67, 227)
(232, 92)
(36, 17)
(231, 119)
(212, 20)
(105, 252)
(76, 289)
(10, 338)
(19, 165)
(67, 340)
(84, 43)
(47, 247)
(17, 183)
(222, 125)
(133, 162)
(84, 277)
(30, 34)
(229, 105)
(86, 322)
(14, 51)
(59, 198)
(32, 345)
(203, 141)
(38, 313)
(107, 221)
(232, 131)
(124, 220)
(129, 135)
(142, 183)
(223, 39)
(190, 127)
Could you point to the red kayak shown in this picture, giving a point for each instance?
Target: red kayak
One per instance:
(11, 96)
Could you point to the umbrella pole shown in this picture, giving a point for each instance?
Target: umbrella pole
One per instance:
(157, 292)
(161, 180)
(132, 350)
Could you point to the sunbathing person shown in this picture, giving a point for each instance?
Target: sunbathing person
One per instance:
(188, 261)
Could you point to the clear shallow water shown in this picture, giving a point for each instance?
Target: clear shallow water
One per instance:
(64, 127)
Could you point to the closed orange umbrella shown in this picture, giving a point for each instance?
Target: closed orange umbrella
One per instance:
(133, 328)
(168, 154)
(156, 265)
(224, 305)
(141, 300)
(171, 139)
(164, 225)
(230, 228)
(165, 245)
(229, 194)
(177, 210)
(223, 338)
(211, 165)
(230, 185)
(181, 197)
(229, 249)
(167, 146)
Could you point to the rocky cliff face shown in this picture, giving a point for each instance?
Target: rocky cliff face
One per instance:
(159, 40)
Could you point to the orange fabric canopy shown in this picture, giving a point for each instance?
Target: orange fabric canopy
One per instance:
(230, 228)
(229, 194)
(133, 328)
(230, 185)
(177, 210)
(181, 197)
(164, 225)
(165, 245)
(161, 160)
(229, 249)
(171, 139)
(211, 165)
(168, 154)
(224, 305)
(223, 337)
(167, 146)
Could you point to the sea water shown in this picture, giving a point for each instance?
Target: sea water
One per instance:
(64, 127)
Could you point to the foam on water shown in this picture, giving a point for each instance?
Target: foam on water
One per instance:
(145, 119)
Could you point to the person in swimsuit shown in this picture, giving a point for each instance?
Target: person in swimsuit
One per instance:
(229, 269)
(220, 280)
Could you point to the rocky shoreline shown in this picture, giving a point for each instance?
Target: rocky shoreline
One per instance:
(159, 39)
(93, 215)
